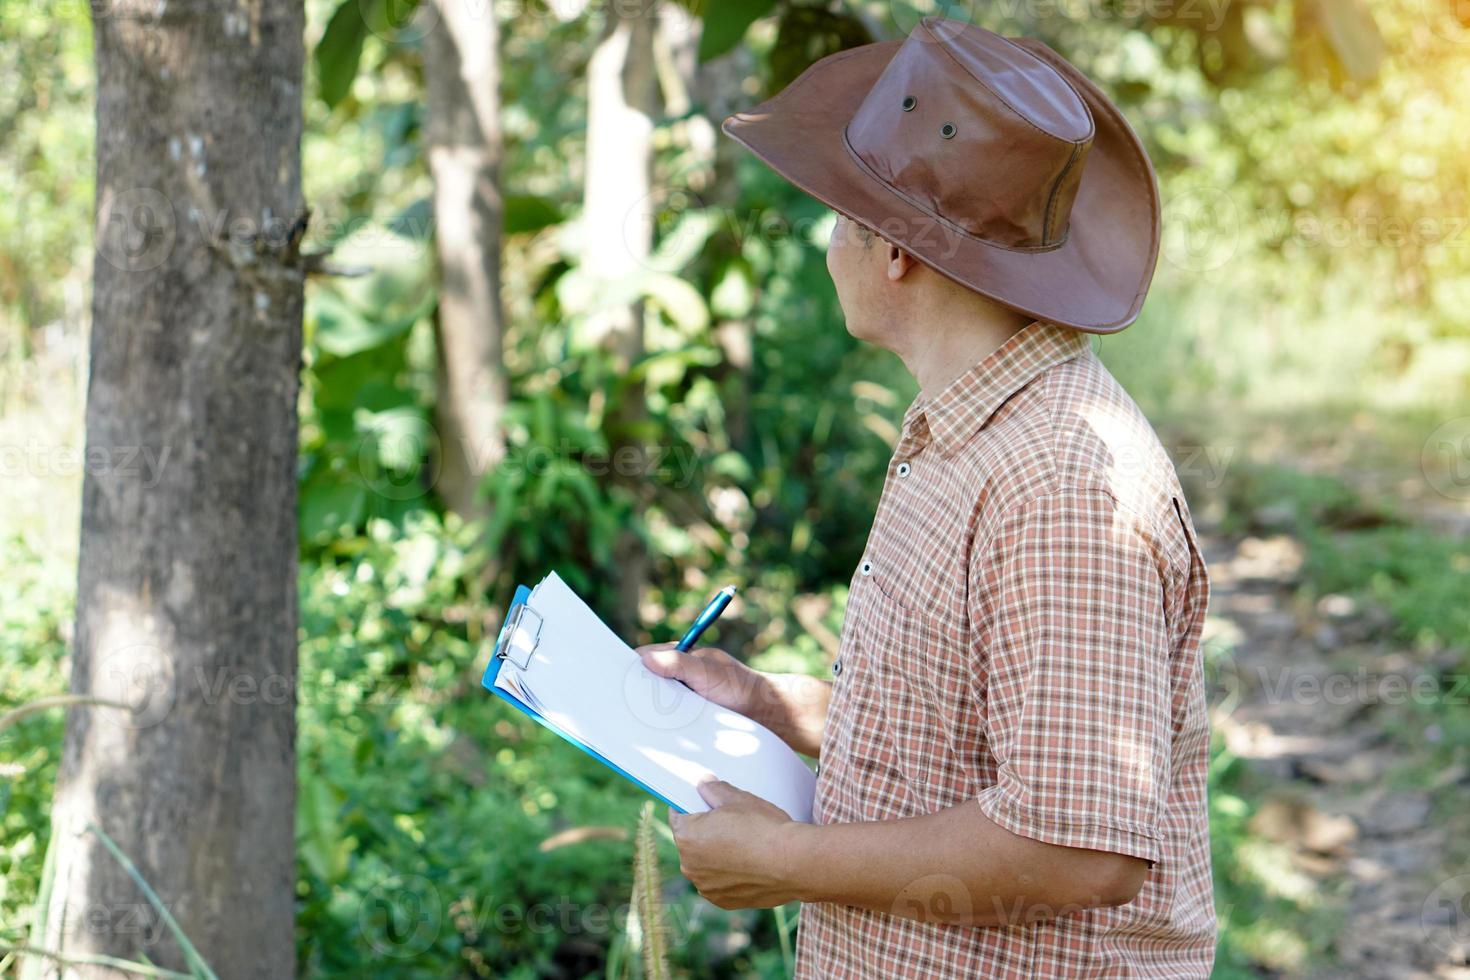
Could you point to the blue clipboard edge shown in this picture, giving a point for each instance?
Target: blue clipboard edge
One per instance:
(492, 671)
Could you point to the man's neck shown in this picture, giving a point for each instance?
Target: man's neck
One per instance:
(954, 338)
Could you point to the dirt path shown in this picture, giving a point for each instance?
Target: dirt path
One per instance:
(1320, 703)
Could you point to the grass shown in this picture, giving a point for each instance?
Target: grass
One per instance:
(1371, 551)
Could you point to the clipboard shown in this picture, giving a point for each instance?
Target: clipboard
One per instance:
(521, 613)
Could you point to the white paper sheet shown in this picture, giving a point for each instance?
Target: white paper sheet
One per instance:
(593, 686)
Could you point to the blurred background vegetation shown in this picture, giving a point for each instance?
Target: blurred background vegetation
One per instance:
(1305, 353)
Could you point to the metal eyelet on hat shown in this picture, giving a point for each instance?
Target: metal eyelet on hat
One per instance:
(909, 102)
(947, 131)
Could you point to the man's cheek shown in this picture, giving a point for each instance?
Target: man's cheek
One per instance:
(835, 251)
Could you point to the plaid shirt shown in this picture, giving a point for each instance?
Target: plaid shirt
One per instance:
(1023, 634)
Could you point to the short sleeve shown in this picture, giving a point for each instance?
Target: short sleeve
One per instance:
(1072, 666)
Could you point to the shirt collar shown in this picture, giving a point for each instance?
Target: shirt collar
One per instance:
(967, 403)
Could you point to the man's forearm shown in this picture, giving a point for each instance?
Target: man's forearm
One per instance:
(794, 706)
(954, 866)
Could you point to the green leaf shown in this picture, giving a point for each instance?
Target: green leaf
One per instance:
(366, 380)
(400, 437)
(328, 503)
(664, 368)
(547, 487)
(320, 843)
(415, 222)
(585, 488)
(339, 51)
(682, 302)
(524, 213)
(733, 466)
(343, 331)
(31, 969)
(733, 295)
(503, 513)
(386, 17)
(725, 23)
(520, 214)
(682, 236)
(543, 428)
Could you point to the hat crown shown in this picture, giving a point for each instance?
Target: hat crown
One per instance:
(978, 133)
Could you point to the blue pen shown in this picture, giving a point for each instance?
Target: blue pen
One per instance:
(706, 619)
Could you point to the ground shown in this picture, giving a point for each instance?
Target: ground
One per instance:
(1323, 708)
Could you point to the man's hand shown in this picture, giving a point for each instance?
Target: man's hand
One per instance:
(953, 866)
(710, 672)
(794, 706)
(734, 854)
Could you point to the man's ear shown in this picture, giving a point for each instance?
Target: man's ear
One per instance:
(899, 263)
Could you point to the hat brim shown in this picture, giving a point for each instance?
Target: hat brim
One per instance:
(1095, 281)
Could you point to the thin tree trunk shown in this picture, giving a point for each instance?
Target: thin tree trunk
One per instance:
(622, 101)
(461, 75)
(186, 595)
(717, 89)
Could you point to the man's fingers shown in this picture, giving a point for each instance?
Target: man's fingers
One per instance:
(718, 793)
(663, 660)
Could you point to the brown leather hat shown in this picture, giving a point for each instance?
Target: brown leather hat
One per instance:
(990, 159)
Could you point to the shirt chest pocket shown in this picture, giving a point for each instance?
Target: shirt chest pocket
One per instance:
(924, 651)
(912, 670)
(909, 566)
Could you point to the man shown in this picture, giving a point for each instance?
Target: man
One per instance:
(1012, 749)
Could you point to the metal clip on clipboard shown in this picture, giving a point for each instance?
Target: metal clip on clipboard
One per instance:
(518, 621)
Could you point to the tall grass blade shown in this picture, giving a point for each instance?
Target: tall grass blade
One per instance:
(196, 962)
(648, 899)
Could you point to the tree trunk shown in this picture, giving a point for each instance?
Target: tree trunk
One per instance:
(461, 76)
(186, 595)
(717, 88)
(622, 101)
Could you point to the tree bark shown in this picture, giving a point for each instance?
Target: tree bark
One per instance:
(622, 101)
(717, 88)
(186, 596)
(461, 76)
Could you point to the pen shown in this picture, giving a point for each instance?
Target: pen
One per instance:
(706, 619)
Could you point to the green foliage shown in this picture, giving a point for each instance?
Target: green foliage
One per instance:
(338, 54)
(1421, 577)
(429, 811)
(34, 626)
(1273, 497)
(807, 34)
(367, 440)
(527, 213)
(1362, 547)
(1268, 915)
(422, 800)
(1315, 201)
(547, 482)
(724, 24)
(46, 175)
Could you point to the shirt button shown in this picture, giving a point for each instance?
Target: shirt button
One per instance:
(904, 469)
(836, 667)
(866, 568)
